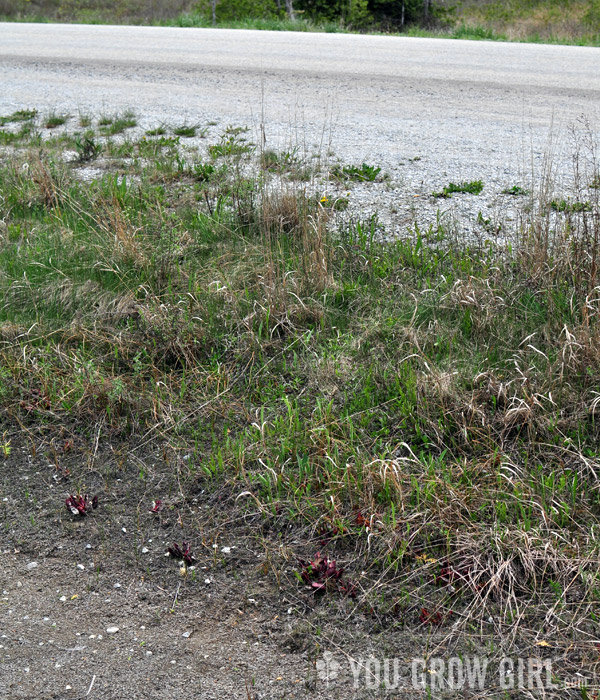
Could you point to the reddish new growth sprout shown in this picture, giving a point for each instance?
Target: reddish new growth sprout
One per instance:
(321, 574)
(426, 617)
(184, 553)
(156, 506)
(330, 532)
(81, 505)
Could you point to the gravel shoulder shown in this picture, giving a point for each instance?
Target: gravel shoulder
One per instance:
(427, 111)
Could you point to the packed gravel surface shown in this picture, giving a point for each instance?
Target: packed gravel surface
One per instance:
(93, 607)
(427, 111)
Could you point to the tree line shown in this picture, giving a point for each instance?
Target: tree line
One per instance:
(354, 14)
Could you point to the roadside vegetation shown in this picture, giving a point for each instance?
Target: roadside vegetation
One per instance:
(546, 21)
(426, 412)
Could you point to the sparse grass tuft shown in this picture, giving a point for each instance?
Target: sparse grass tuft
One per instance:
(364, 173)
(21, 115)
(188, 130)
(157, 131)
(54, 120)
(87, 147)
(516, 191)
(117, 124)
(474, 187)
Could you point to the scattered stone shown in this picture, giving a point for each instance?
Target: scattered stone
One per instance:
(32, 565)
(81, 567)
(187, 634)
(145, 550)
(112, 630)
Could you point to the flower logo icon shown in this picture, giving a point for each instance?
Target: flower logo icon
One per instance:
(327, 667)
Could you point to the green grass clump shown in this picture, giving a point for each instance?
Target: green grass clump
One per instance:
(568, 207)
(187, 130)
(474, 187)
(515, 191)
(158, 131)
(87, 147)
(111, 125)
(232, 143)
(21, 115)
(364, 173)
(54, 120)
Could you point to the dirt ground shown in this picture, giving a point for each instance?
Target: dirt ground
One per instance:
(238, 625)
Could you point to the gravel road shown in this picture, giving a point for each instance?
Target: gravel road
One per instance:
(428, 111)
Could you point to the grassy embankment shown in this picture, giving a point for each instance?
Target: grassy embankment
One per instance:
(428, 410)
(543, 21)
(547, 21)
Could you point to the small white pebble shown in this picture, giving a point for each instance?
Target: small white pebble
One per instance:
(88, 546)
(63, 598)
(226, 550)
(173, 662)
(124, 529)
(99, 636)
(207, 581)
(81, 567)
(145, 550)
(187, 634)
(112, 630)
(117, 585)
(67, 687)
(148, 653)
